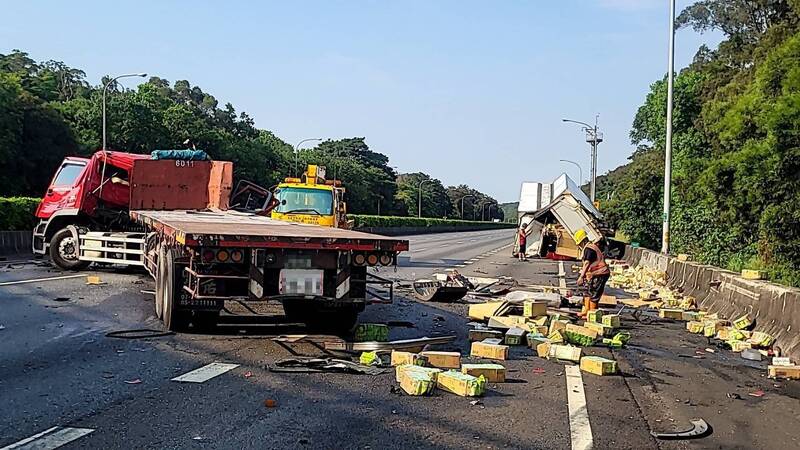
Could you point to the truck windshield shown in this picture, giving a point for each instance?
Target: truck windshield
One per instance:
(304, 201)
(67, 175)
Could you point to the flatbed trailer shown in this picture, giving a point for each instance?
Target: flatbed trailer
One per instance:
(200, 259)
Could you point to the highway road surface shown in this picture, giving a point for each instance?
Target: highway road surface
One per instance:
(65, 382)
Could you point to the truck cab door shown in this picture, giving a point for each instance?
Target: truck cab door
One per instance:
(65, 190)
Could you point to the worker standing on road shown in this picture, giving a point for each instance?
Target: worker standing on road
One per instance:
(594, 271)
(523, 238)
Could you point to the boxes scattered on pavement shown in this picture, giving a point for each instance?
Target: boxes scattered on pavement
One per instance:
(443, 360)
(366, 332)
(595, 316)
(781, 361)
(611, 320)
(543, 349)
(565, 352)
(461, 384)
(494, 373)
(515, 336)
(430, 371)
(668, 313)
(535, 339)
(761, 339)
(534, 308)
(695, 327)
(479, 334)
(416, 382)
(556, 337)
(743, 323)
(576, 334)
(601, 329)
(489, 351)
(788, 372)
(598, 365)
(557, 325)
(400, 358)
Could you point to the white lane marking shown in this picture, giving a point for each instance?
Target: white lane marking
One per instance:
(50, 439)
(561, 271)
(419, 250)
(562, 281)
(579, 428)
(460, 266)
(460, 242)
(37, 280)
(205, 373)
(469, 262)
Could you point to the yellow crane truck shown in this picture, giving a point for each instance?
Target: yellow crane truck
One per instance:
(311, 199)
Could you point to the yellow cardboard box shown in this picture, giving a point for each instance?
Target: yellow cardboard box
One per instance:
(461, 384)
(534, 308)
(749, 274)
(494, 373)
(443, 360)
(430, 371)
(543, 349)
(600, 329)
(666, 313)
(695, 327)
(400, 358)
(565, 352)
(611, 320)
(598, 365)
(595, 316)
(415, 382)
(789, 372)
(490, 351)
(515, 336)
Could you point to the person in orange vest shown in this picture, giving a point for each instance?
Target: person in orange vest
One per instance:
(594, 272)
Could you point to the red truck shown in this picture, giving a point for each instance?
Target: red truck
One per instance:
(174, 218)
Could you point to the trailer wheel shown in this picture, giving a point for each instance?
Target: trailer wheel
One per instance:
(160, 275)
(64, 251)
(173, 317)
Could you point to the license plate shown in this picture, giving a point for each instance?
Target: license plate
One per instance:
(301, 281)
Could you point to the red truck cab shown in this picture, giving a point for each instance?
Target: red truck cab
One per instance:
(81, 196)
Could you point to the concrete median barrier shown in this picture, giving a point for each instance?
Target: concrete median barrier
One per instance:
(15, 242)
(775, 308)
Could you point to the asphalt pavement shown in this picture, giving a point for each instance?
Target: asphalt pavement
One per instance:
(64, 381)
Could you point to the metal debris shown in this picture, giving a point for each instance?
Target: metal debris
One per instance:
(413, 345)
(699, 429)
(318, 365)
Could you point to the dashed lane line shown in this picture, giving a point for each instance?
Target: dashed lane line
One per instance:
(205, 373)
(579, 428)
(49, 439)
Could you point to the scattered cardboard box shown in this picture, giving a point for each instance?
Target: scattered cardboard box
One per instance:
(611, 320)
(489, 351)
(461, 384)
(744, 322)
(683, 257)
(667, 313)
(601, 329)
(494, 373)
(515, 336)
(595, 316)
(443, 360)
(557, 325)
(505, 322)
(789, 372)
(749, 274)
(565, 352)
(400, 358)
(480, 334)
(608, 300)
(415, 382)
(543, 349)
(598, 365)
(534, 308)
(431, 371)
(535, 339)
(695, 327)
(483, 311)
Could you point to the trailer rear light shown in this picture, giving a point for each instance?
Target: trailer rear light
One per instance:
(372, 259)
(386, 259)
(222, 255)
(359, 259)
(237, 256)
(208, 256)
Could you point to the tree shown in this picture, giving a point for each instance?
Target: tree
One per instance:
(435, 202)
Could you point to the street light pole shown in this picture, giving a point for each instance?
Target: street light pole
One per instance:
(490, 210)
(462, 204)
(105, 90)
(419, 200)
(483, 203)
(593, 133)
(668, 147)
(297, 153)
(580, 169)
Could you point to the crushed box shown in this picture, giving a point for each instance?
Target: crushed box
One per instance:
(611, 320)
(483, 311)
(743, 322)
(695, 327)
(461, 384)
(556, 337)
(595, 316)
(667, 313)
(479, 334)
(443, 360)
(598, 365)
(600, 329)
(515, 336)
(543, 349)
(557, 325)
(400, 358)
(535, 339)
(430, 371)
(494, 373)
(489, 351)
(790, 372)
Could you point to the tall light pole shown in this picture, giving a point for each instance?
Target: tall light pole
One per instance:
(297, 152)
(462, 204)
(668, 146)
(593, 137)
(580, 169)
(490, 211)
(105, 90)
(419, 199)
(483, 203)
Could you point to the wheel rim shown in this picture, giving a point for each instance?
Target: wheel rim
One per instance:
(66, 249)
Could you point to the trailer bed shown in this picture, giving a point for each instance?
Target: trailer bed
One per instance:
(239, 229)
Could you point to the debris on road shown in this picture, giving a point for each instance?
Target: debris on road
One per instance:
(411, 345)
(317, 365)
(142, 333)
(443, 360)
(270, 403)
(461, 384)
(399, 358)
(94, 280)
(699, 429)
(489, 350)
(598, 365)
(371, 332)
(494, 373)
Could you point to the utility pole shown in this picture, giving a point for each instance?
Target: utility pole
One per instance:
(419, 201)
(593, 137)
(668, 146)
(105, 89)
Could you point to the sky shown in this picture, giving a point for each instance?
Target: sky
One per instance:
(467, 91)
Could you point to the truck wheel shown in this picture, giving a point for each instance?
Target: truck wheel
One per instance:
(205, 320)
(173, 317)
(160, 275)
(64, 251)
